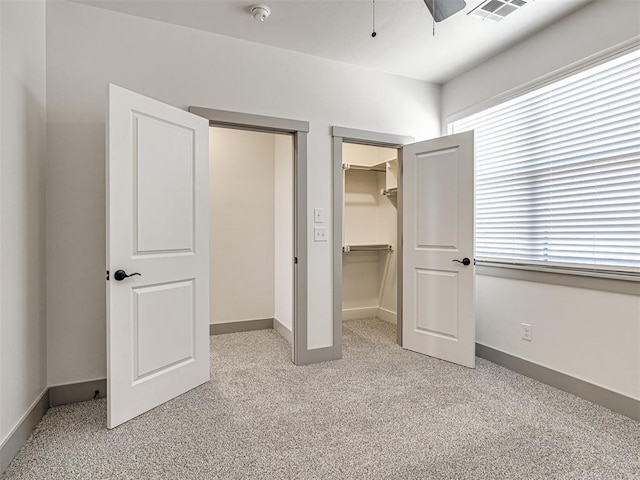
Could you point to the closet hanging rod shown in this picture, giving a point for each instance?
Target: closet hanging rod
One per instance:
(367, 248)
(389, 191)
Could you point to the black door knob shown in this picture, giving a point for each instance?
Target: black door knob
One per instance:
(465, 261)
(121, 275)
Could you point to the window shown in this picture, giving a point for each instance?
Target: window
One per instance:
(558, 172)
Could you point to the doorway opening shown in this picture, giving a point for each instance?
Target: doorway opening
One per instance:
(297, 131)
(369, 238)
(435, 277)
(367, 225)
(251, 193)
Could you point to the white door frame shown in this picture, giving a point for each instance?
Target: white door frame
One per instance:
(364, 137)
(301, 355)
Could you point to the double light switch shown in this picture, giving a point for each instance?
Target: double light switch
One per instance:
(320, 234)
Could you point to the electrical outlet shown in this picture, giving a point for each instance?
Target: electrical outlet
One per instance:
(320, 234)
(526, 332)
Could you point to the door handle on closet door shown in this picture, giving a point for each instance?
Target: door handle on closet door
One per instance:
(120, 275)
(465, 261)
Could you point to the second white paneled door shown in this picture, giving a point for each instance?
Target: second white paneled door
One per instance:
(438, 245)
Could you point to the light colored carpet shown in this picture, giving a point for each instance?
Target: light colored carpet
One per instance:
(380, 413)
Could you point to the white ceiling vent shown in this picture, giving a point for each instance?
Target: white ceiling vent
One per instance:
(496, 10)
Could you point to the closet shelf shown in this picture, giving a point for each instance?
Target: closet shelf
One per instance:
(367, 248)
(381, 167)
(387, 192)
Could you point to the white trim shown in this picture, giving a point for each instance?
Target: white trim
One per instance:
(359, 313)
(369, 312)
(387, 315)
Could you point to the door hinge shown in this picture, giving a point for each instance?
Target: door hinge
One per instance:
(295, 260)
(107, 274)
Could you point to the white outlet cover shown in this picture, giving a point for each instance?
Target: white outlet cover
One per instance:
(320, 234)
(318, 215)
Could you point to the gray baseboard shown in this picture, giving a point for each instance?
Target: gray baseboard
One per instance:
(317, 355)
(77, 392)
(21, 432)
(600, 396)
(283, 330)
(241, 326)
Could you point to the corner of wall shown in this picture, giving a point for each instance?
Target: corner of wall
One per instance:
(23, 350)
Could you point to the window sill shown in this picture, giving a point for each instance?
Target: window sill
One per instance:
(609, 282)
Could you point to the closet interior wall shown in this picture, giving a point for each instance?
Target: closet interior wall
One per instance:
(369, 232)
(252, 208)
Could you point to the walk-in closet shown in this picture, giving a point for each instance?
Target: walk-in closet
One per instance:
(369, 243)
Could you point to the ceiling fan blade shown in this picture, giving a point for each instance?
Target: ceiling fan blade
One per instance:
(444, 8)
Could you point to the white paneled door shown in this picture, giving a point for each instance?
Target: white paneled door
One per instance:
(157, 254)
(438, 244)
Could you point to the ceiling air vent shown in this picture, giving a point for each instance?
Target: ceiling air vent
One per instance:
(496, 10)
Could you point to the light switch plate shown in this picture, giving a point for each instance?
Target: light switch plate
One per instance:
(320, 234)
(318, 215)
(527, 332)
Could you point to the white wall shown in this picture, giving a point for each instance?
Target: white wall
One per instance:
(592, 335)
(88, 47)
(283, 211)
(242, 176)
(22, 222)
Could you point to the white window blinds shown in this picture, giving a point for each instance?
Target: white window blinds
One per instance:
(558, 172)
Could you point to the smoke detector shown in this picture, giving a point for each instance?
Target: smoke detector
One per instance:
(260, 12)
